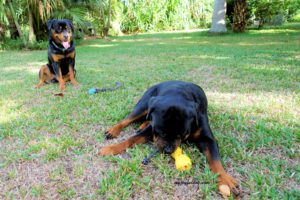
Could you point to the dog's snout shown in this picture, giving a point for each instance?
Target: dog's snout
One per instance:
(168, 149)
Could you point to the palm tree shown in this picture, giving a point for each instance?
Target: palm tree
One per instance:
(15, 21)
(40, 11)
(102, 10)
(3, 19)
(239, 16)
(107, 25)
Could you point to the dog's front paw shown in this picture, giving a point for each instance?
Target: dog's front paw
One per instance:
(227, 184)
(38, 85)
(62, 87)
(110, 150)
(112, 132)
(75, 83)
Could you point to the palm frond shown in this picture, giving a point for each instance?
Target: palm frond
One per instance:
(76, 14)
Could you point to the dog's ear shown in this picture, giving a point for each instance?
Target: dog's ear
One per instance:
(50, 23)
(151, 107)
(70, 23)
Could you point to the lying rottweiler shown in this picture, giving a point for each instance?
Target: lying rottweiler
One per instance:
(61, 55)
(173, 112)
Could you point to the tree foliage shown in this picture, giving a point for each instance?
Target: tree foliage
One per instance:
(273, 12)
(28, 18)
(125, 15)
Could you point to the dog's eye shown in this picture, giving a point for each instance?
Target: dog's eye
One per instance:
(59, 29)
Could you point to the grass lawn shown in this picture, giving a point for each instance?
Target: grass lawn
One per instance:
(49, 145)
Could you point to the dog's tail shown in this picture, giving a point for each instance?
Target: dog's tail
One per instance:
(118, 85)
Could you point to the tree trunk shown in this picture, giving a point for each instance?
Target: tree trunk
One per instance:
(102, 18)
(12, 27)
(116, 26)
(32, 37)
(2, 31)
(218, 18)
(107, 26)
(12, 12)
(239, 16)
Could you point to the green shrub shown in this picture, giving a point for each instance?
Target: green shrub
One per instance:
(296, 18)
(9, 44)
(37, 45)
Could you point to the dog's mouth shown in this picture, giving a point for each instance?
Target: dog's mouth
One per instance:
(164, 146)
(66, 44)
(169, 148)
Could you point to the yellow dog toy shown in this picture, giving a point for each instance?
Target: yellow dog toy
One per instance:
(182, 161)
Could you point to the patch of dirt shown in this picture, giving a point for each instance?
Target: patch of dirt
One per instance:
(19, 180)
(38, 179)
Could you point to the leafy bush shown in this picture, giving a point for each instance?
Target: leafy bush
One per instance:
(296, 18)
(273, 12)
(37, 45)
(9, 44)
(149, 15)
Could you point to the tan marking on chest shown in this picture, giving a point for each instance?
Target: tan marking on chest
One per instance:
(59, 57)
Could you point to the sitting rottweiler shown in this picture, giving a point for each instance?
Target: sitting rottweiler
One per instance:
(173, 112)
(61, 55)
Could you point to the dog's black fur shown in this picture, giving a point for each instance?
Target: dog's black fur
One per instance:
(61, 54)
(173, 112)
(64, 32)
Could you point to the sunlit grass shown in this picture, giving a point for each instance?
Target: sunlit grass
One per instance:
(8, 111)
(49, 145)
(101, 46)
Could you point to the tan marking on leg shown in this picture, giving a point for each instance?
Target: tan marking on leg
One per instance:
(115, 130)
(223, 178)
(45, 76)
(66, 77)
(61, 81)
(72, 76)
(195, 136)
(144, 125)
(119, 148)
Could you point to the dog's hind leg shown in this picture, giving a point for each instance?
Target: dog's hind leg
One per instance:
(44, 75)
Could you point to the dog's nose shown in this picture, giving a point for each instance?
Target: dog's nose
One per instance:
(65, 37)
(168, 149)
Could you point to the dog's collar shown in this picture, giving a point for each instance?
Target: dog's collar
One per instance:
(60, 48)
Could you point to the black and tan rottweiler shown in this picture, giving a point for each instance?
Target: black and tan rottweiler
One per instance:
(61, 55)
(173, 112)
